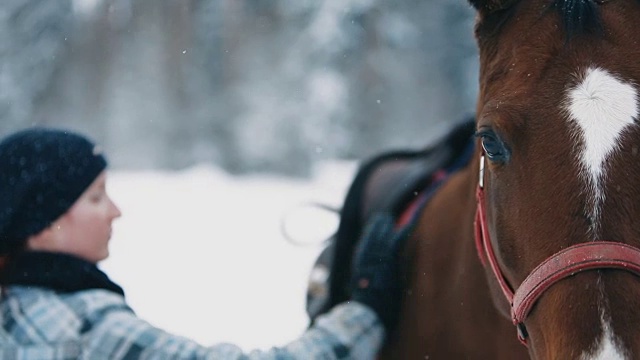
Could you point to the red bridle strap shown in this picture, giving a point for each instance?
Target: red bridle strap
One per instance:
(565, 263)
(485, 249)
(568, 262)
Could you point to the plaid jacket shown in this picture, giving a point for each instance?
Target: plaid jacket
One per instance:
(97, 324)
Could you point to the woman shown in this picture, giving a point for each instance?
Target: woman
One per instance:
(55, 225)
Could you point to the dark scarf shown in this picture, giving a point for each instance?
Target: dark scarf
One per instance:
(59, 272)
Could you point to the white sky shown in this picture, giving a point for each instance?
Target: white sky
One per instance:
(201, 254)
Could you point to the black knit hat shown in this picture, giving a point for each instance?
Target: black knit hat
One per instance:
(42, 173)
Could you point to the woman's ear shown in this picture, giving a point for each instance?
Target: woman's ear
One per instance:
(42, 240)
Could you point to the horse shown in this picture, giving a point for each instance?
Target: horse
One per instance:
(530, 249)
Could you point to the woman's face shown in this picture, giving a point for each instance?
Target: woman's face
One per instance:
(85, 229)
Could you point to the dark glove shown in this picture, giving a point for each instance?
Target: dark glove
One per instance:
(376, 280)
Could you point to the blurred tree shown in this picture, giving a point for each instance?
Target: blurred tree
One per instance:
(251, 85)
(33, 40)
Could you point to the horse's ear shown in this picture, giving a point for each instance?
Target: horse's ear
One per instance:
(489, 6)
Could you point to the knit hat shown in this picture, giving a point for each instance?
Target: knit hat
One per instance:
(42, 174)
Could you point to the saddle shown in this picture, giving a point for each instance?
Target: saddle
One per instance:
(390, 182)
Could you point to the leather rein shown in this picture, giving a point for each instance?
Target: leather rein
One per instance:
(565, 263)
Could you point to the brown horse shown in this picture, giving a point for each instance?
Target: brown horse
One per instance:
(549, 201)
(558, 143)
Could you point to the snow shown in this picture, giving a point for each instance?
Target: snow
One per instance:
(201, 253)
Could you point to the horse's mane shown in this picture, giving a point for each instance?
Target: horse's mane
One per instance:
(579, 17)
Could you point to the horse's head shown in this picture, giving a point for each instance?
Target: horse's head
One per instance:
(557, 122)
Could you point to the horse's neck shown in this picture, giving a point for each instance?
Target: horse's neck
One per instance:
(447, 302)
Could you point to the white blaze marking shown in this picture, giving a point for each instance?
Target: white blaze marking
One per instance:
(607, 348)
(602, 106)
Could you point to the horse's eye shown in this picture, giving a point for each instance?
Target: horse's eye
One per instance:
(494, 148)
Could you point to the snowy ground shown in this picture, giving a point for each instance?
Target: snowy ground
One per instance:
(201, 254)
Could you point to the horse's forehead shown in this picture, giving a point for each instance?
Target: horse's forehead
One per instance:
(601, 106)
(536, 41)
(530, 64)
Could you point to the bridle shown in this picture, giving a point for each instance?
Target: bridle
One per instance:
(563, 264)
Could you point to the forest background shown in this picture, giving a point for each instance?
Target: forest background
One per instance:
(246, 85)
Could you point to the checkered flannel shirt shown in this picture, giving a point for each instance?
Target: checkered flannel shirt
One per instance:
(97, 324)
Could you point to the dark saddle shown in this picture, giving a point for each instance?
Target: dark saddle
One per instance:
(388, 182)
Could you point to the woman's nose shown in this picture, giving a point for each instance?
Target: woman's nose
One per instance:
(115, 211)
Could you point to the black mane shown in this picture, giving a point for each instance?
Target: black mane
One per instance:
(579, 17)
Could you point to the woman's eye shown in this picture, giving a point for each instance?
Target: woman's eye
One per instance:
(96, 198)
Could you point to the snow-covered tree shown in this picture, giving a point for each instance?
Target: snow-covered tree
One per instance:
(268, 85)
